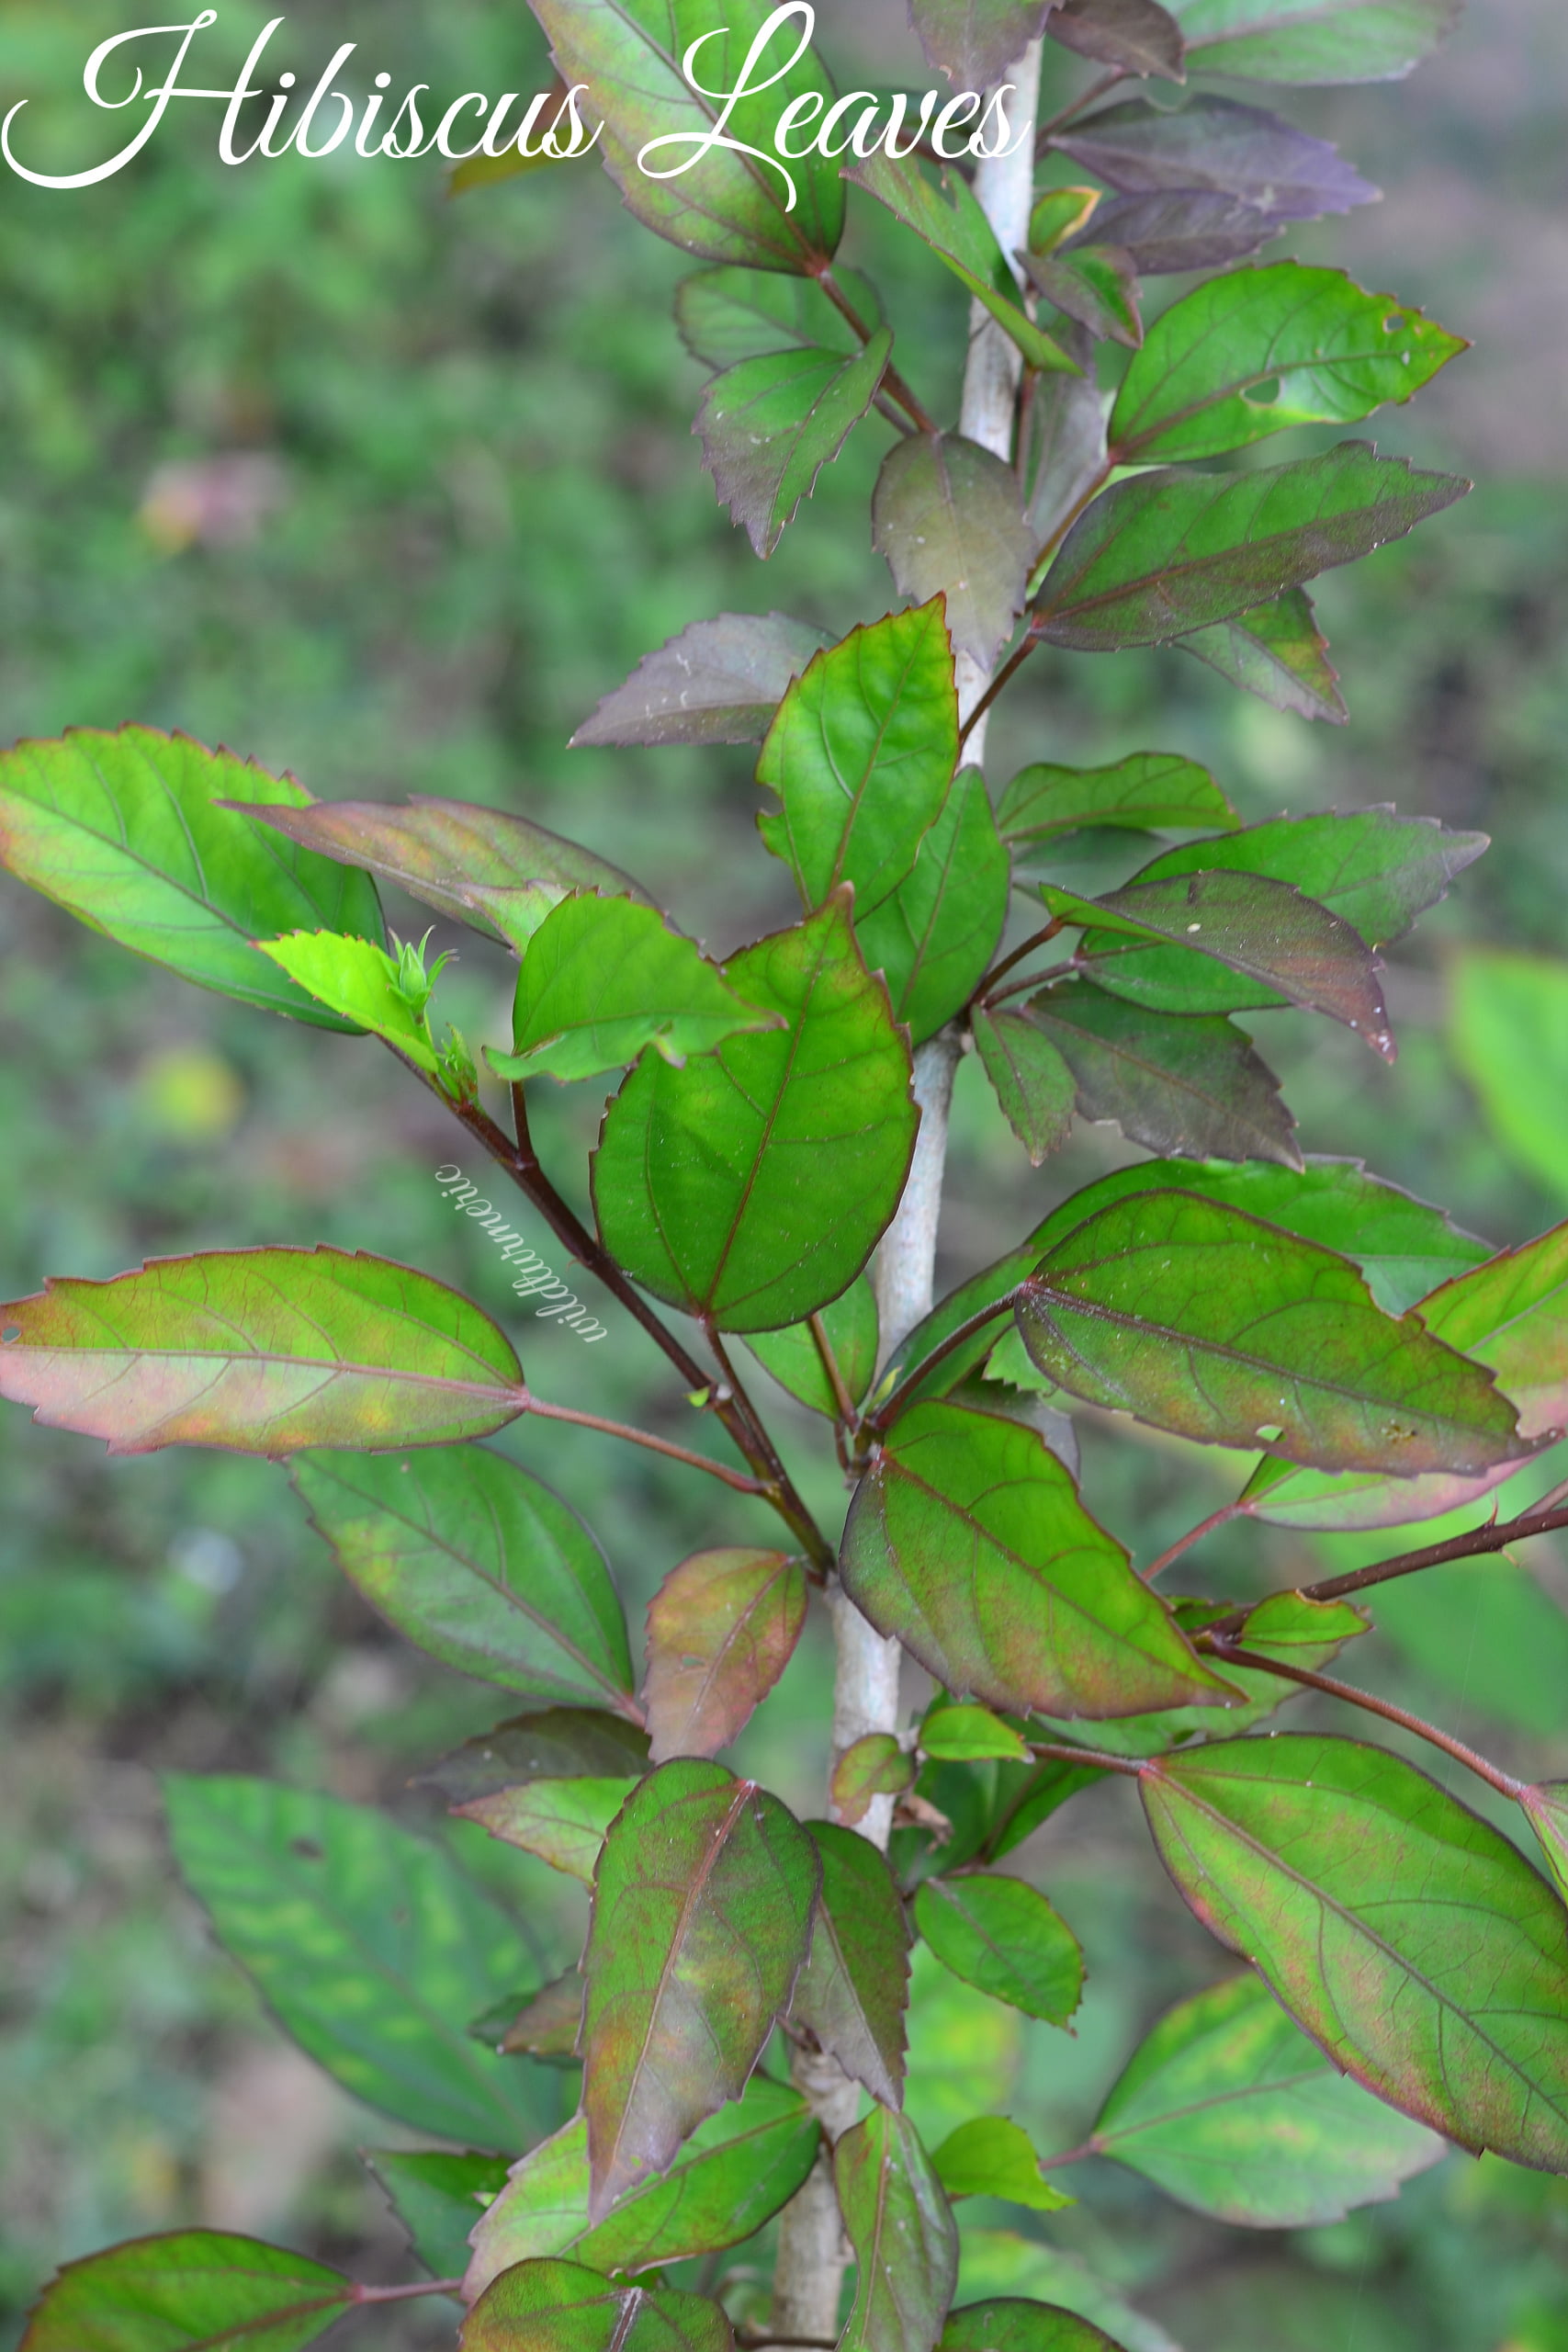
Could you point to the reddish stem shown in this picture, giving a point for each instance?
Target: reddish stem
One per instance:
(1230, 1653)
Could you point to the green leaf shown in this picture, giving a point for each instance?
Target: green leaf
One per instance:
(1009, 2324)
(975, 41)
(1258, 350)
(1149, 792)
(733, 2175)
(1172, 1083)
(480, 1565)
(903, 2233)
(966, 1539)
(948, 517)
(701, 1919)
(1546, 1810)
(769, 425)
(1217, 144)
(993, 2157)
(549, 2026)
(1096, 285)
(368, 1944)
(964, 1734)
(194, 2291)
(1282, 948)
(129, 833)
(728, 315)
(359, 980)
(725, 198)
(854, 1989)
(1409, 1939)
(795, 1361)
(875, 1765)
(992, 1287)
(262, 1350)
(946, 214)
(439, 2199)
(936, 935)
(1033, 1084)
(603, 978)
(559, 1743)
(862, 755)
(754, 1184)
(1313, 40)
(1233, 2112)
(1287, 1622)
(721, 1630)
(1135, 36)
(1003, 1936)
(999, 2263)
(1278, 652)
(498, 874)
(562, 2307)
(1210, 1323)
(1509, 1032)
(563, 1822)
(1026, 1799)
(718, 682)
(1168, 551)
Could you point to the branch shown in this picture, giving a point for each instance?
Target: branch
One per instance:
(361, 2294)
(841, 1398)
(1009, 962)
(645, 1438)
(1193, 1535)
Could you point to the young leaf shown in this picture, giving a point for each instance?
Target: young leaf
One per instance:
(262, 1350)
(1412, 1943)
(191, 2289)
(1135, 36)
(1211, 1324)
(794, 1358)
(1269, 934)
(733, 2173)
(948, 217)
(563, 2307)
(1009, 2324)
(718, 682)
(1284, 1622)
(754, 1184)
(563, 1822)
(936, 935)
(480, 1565)
(130, 833)
(726, 315)
(1313, 40)
(498, 874)
(603, 978)
(1148, 792)
(975, 41)
(903, 2236)
(1257, 351)
(966, 1539)
(1191, 1085)
(1096, 285)
(725, 197)
(874, 1767)
(1278, 652)
(947, 517)
(439, 2197)
(854, 1989)
(862, 755)
(1168, 551)
(967, 1734)
(1003, 1936)
(1215, 144)
(721, 1629)
(401, 1948)
(1229, 2109)
(701, 1918)
(358, 980)
(1033, 1084)
(769, 425)
(560, 1744)
(1059, 213)
(993, 2157)
(1178, 228)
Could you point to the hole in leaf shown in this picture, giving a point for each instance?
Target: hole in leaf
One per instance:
(1263, 395)
(308, 1849)
(12, 1331)
(1393, 324)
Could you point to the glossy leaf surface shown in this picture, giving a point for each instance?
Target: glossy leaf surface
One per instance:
(769, 425)
(935, 936)
(1409, 1939)
(1218, 145)
(701, 1914)
(603, 978)
(1228, 2108)
(1278, 652)
(356, 980)
(129, 832)
(966, 1539)
(947, 517)
(1171, 551)
(903, 2233)
(861, 755)
(1313, 40)
(1008, 2324)
(975, 41)
(946, 214)
(564, 2307)
(718, 682)
(1259, 350)
(480, 1563)
(1001, 1934)
(261, 1350)
(439, 2197)
(794, 1358)
(368, 1944)
(1148, 792)
(754, 1184)
(993, 2157)
(1033, 1084)
(1211, 1324)
(187, 2291)
(854, 1989)
(1191, 1085)
(721, 1629)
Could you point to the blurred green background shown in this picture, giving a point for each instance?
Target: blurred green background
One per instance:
(388, 490)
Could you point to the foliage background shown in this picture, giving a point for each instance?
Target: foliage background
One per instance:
(305, 458)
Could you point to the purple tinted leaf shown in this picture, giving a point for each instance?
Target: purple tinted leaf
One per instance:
(564, 2307)
(975, 41)
(1033, 1084)
(1191, 1085)
(769, 425)
(854, 1988)
(903, 2233)
(718, 682)
(1095, 284)
(1178, 228)
(1218, 145)
(1066, 427)
(721, 1629)
(947, 517)
(1278, 652)
(1135, 36)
